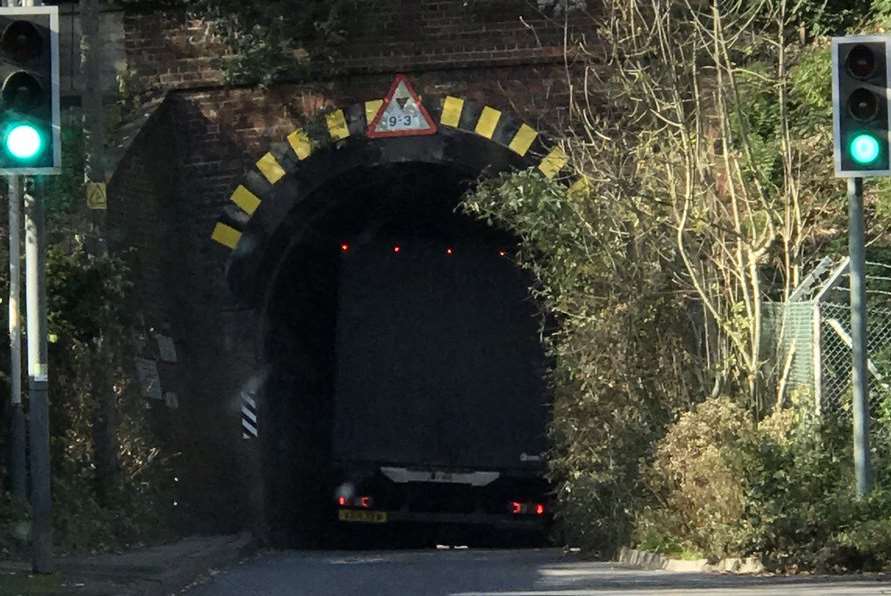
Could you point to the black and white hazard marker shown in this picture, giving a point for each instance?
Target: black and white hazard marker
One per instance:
(248, 417)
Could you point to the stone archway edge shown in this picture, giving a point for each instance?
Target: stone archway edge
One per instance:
(345, 123)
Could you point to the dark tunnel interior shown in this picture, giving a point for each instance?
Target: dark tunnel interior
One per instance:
(388, 306)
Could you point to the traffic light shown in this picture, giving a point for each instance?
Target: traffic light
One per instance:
(29, 91)
(860, 105)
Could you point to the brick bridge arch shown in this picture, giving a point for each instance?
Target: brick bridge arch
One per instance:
(279, 205)
(278, 197)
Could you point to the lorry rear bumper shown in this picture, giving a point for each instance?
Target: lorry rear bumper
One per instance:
(482, 519)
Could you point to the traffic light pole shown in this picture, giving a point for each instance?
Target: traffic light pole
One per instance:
(38, 373)
(856, 250)
(38, 398)
(18, 476)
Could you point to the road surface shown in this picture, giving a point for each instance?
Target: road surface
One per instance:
(496, 573)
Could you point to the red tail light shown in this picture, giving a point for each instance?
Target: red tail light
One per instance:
(344, 247)
(396, 249)
(526, 508)
(342, 501)
(365, 502)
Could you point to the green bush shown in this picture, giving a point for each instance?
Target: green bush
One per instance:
(782, 490)
(799, 489)
(15, 524)
(699, 473)
(96, 336)
(617, 337)
(870, 539)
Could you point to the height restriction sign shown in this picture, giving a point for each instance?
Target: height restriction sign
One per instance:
(401, 114)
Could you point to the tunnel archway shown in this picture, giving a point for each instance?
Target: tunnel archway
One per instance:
(275, 200)
(286, 225)
(359, 339)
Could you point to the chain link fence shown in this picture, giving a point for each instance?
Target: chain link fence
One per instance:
(788, 345)
(835, 347)
(807, 344)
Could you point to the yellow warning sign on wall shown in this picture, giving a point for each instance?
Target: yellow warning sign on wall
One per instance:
(96, 195)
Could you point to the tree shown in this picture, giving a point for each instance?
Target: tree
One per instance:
(716, 125)
(702, 130)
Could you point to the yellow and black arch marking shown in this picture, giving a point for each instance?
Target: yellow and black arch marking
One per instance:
(472, 136)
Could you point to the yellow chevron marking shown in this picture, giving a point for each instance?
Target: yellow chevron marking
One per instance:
(371, 109)
(270, 168)
(337, 126)
(580, 187)
(523, 140)
(553, 162)
(245, 199)
(226, 235)
(300, 143)
(485, 126)
(451, 111)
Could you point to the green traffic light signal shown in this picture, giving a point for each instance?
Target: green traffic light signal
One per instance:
(22, 142)
(864, 149)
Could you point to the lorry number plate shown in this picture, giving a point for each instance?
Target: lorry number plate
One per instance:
(367, 517)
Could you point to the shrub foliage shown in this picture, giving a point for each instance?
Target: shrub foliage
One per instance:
(706, 147)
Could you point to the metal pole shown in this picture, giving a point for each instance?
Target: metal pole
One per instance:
(38, 399)
(817, 330)
(17, 466)
(860, 385)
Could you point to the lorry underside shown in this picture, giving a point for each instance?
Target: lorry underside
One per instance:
(440, 408)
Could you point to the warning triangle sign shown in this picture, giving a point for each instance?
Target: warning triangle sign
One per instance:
(402, 114)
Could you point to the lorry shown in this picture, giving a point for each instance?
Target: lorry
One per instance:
(440, 401)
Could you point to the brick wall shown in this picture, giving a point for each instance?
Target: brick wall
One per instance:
(181, 290)
(402, 35)
(136, 216)
(170, 51)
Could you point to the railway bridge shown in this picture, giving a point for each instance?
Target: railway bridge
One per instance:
(242, 202)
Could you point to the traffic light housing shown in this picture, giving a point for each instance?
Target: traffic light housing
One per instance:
(860, 105)
(29, 90)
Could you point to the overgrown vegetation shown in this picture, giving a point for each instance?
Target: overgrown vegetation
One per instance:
(601, 278)
(95, 335)
(271, 41)
(703, 130)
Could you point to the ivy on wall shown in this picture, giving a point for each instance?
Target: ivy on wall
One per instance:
(274, 40)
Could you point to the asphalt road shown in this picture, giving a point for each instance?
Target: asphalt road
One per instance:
(496, 573)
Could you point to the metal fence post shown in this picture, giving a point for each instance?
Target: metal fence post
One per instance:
(817, 348)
